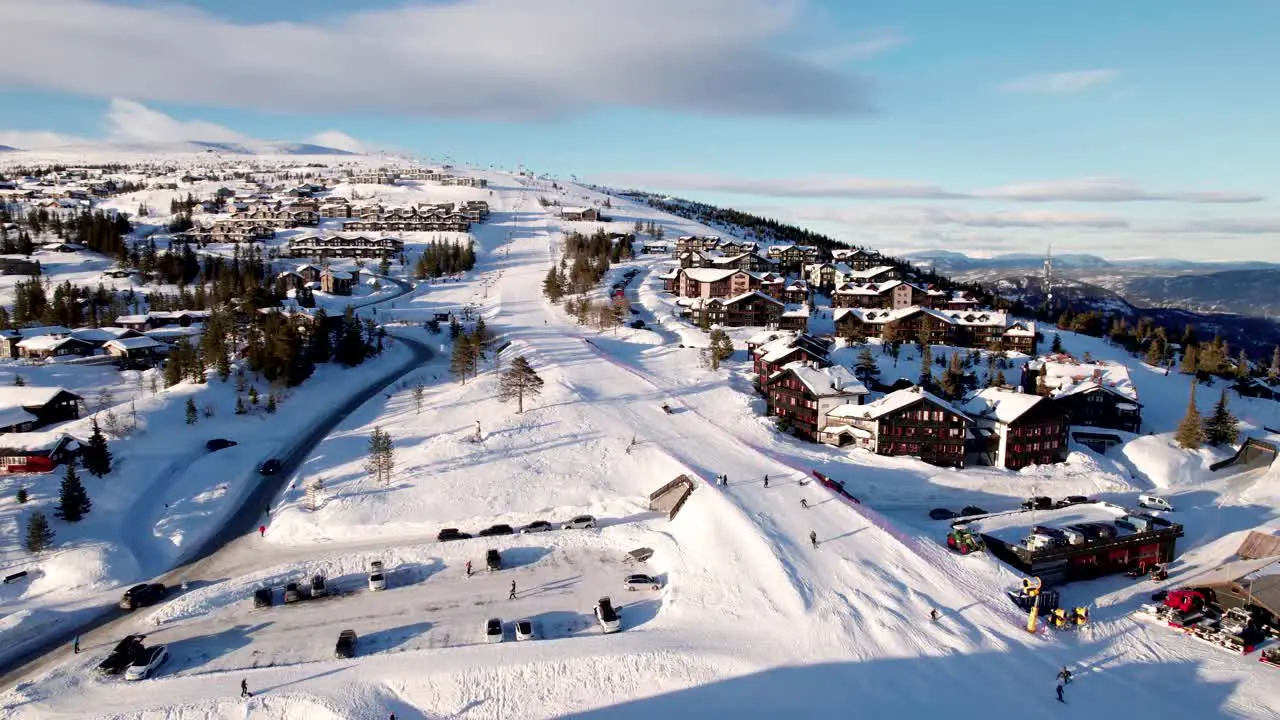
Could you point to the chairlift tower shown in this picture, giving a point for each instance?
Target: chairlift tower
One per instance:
(1048, 277)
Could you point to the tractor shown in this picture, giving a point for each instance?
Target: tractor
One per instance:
(963, 541)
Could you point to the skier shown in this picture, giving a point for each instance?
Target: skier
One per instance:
(1064, 675)
(766, 481)
(262, 531)
(804, 503)
(813, 538)
(1060, 694)
(75, 645)
(724, 480)
(933, 614)
(267, 510)
(512, 596)
(244, 689)
(468, 568)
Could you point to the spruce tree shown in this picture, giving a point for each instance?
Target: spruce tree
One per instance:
(321, 344)
(721, 348)
(1190, 359)
(271, 403)
(95, 455)
(519, 381)
(926, 359)
(21, 496)
(1057, 344)
(191, 414)
(455, 327)
(240, 408)
(73, 501)
(351, 347)
(1221, 428)
(866, 367)
(1190, 433)
(462, 361)
(39, 534)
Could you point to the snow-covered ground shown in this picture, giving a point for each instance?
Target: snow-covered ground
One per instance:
(751, 621)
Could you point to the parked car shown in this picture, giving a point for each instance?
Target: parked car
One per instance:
(270, 467)
(147, 662)
(942, 514)
(1070, 500)
(640, 581)
(607, 616)
(125, 652)
(493, 630)
(637, 324)
(291, 593)
(377, 578)
(141, 596)
(217, 444)
(448, 534)
(493, 560)
(262, 597)
(968, 510)
(524, 630)
(497, 530)
(536, 526)
(318, 588)
(582, 522)
(1039, 502)
(346, 647)
(1154, 502)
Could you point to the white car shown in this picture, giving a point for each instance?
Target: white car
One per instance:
(582, 522)
(607, 616)
(1154, 502)
(640, 581)
(524, 630)
(493, 630)
(377, 578)
(147, 662)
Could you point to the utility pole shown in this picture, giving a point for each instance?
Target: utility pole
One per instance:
(1048, 277)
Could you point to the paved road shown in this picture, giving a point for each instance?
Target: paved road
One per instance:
(105, 627)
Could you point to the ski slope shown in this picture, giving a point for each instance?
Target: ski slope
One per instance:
(751, 621)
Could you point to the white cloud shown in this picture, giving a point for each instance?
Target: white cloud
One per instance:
(134, 122)
(934, 216)
(492, 59)
(340, 140)
(1228, 226)
(1109, 190)
(35, 139)
(1059, 83)
(867, 47)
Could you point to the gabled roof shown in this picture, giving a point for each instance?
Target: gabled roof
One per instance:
(891, 403)
(744, 296)
(35, 442)
(709, 274)
(1066, 376)
(1003, 406)
(11, 416)
(27, 396)
(134, 343)
(832, 381)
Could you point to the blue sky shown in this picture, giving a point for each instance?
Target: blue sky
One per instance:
(1126, 129)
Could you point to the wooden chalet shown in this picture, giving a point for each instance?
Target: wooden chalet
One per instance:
(911, 422)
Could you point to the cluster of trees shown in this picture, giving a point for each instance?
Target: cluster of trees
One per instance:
(444, 258)
(601, 314)
(650, 228)
(381, 461)
(469, 348)
(1220, 428)
(18, 243)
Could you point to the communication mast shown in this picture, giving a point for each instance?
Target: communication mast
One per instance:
(1048, 277)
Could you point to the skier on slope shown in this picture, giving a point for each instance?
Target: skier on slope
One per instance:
(933, 614)
(766, 481)
(804, 503)
(813, 538)
(1064, 675)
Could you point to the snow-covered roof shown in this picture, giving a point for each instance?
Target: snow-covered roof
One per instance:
(27, 396)
(796, 311)
(1003, 406)
(826, 382)
(42, 342)
(892, 403)
(339, 275)
(175, 333)
(123, 319)
(745, 295)
(1013, 528)
(101, 334)
(43, 330)
(135, 343)
(13, 415)
(34, 441)
(1064, 376)
(709, 274)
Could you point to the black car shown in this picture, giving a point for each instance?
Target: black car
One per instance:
(497, 530)
(318, 587)
(262, 598)
(291, 593)
(1071, 500)
(346, 647)
(1037, 503)
(493, 560)
(452, 534)
(942, 514)
(217, 444)
(270, 467)
(972, 510)
(141, 596)
(125, 653)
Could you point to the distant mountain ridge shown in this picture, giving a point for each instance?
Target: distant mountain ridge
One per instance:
(951, 261)
(190, 147)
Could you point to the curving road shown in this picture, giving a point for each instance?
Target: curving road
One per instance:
(102, 627)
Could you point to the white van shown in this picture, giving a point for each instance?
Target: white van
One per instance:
(1154, 502)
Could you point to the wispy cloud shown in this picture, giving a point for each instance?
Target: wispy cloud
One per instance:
(491, 59)
(1228, 226)
(1059, 83)
(36, 139)
(934, 216)
(1107, 190)
(866, 47)
(340, 140)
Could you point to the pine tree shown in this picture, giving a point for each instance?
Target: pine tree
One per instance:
(271, 403)
(240, 408)
(419, 393)
(519, 380)
(551, 286)
(1273, 373)
(19, 381)
(39, 534)
(999, 380)
(1221, 428)
(926, 359)
(73, 501)
(381, 460)
(1190, 433)
(321, 346)
(1190, 359)
(21, 496)
(95, 455)
(455, 327)
(462, 361)
(191, 414)
(721, 348)
(351, 347)
(1057, 344)
(866, 367)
